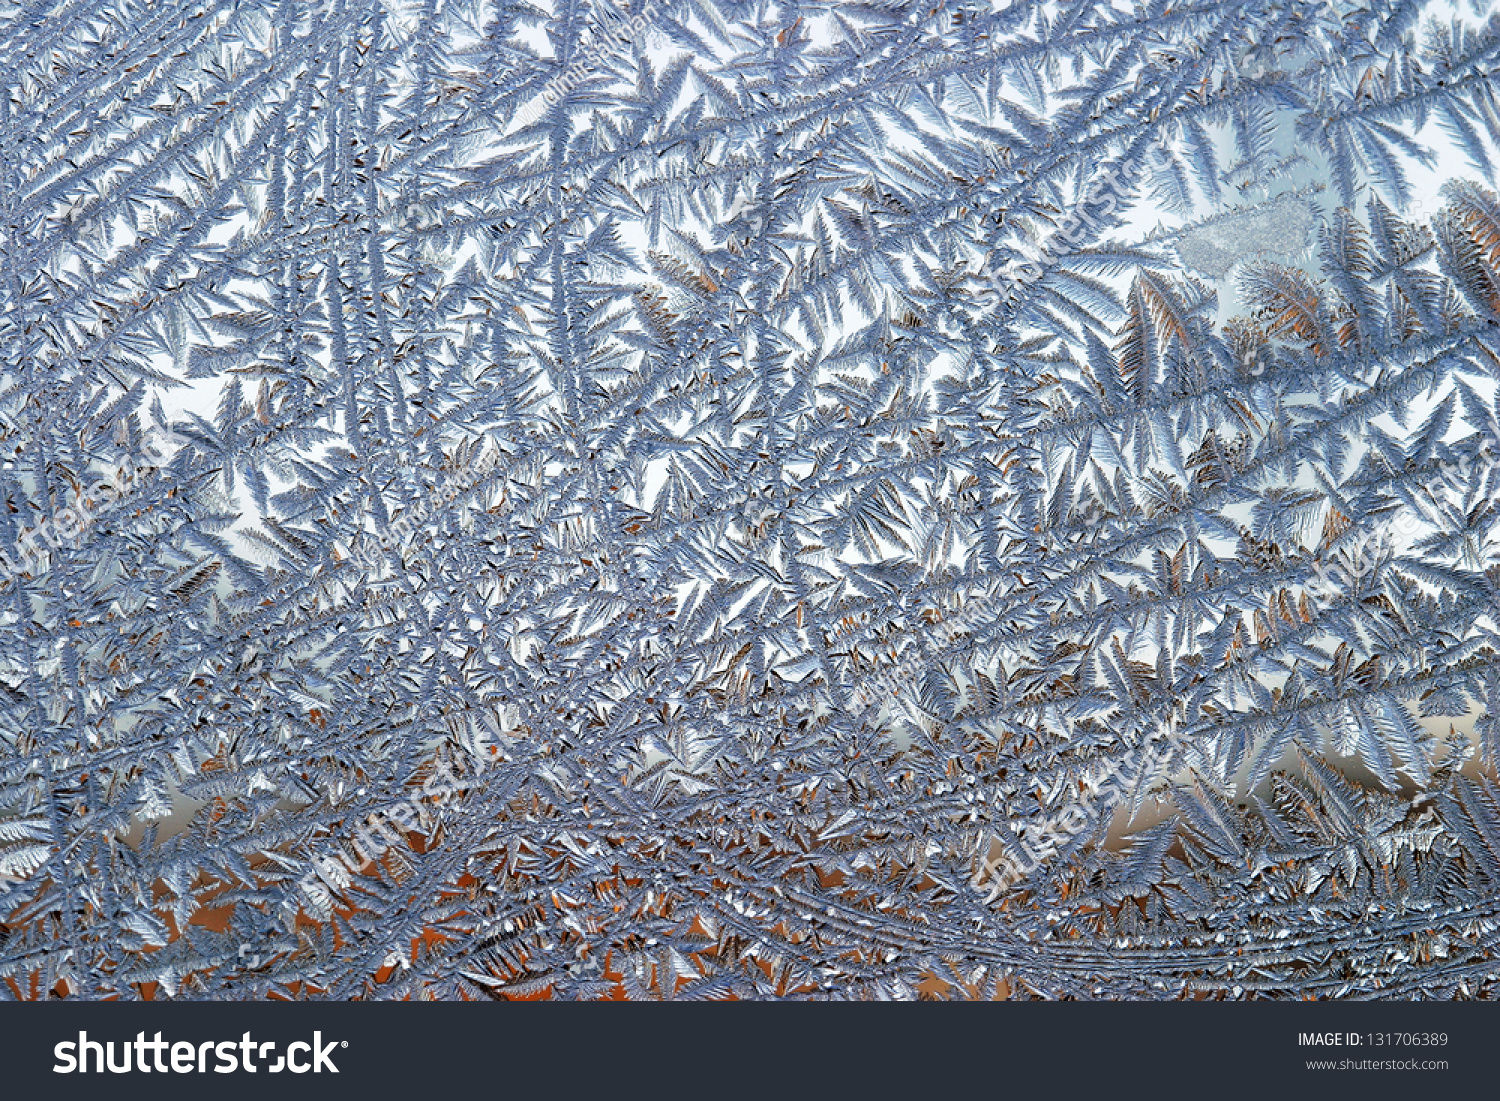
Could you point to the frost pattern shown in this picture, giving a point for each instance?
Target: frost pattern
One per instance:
(630, 529)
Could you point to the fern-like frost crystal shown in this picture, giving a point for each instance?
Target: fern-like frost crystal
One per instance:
(716, 500)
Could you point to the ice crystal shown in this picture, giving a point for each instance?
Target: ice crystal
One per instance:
(671, 512)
